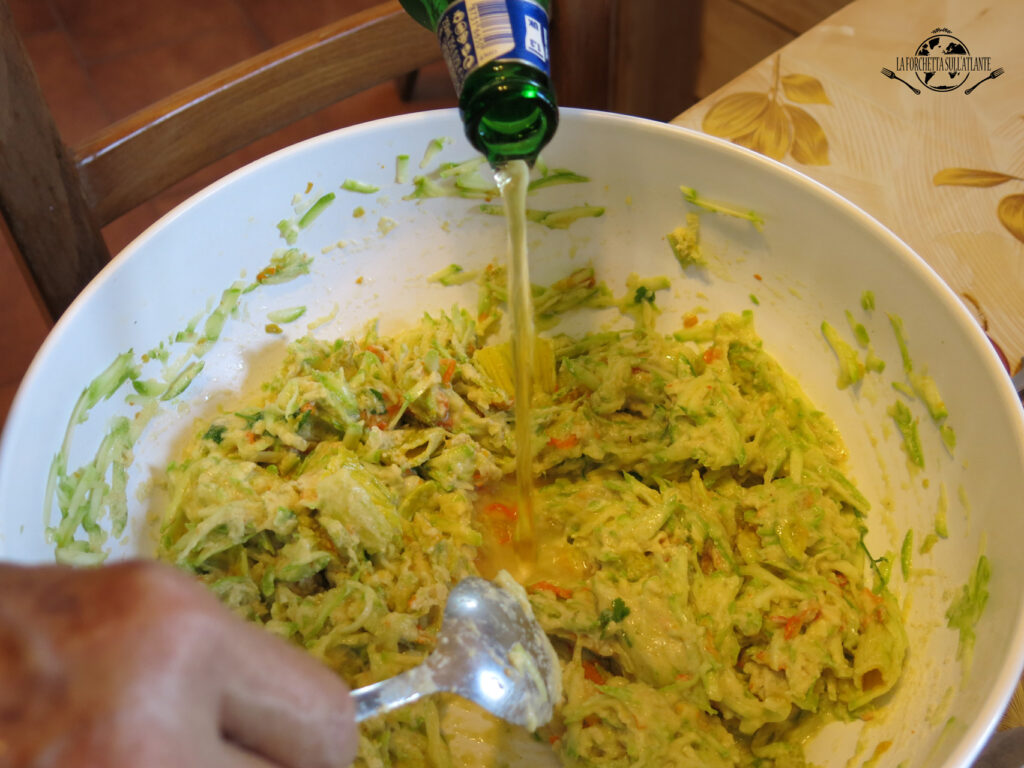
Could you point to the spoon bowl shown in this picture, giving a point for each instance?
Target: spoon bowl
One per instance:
(490, 650)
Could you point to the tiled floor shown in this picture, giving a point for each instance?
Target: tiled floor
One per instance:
(100, 60)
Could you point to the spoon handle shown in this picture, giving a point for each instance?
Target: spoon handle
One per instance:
(394, 692)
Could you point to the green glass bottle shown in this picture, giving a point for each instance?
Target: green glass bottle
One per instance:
(497, 55)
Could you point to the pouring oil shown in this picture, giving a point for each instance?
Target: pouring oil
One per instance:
(511, 539)
(513, 178)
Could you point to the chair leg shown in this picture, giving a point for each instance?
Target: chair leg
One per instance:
(657, 56)
(406, 85)
(638, 57)
(583, 52)
(45, 208)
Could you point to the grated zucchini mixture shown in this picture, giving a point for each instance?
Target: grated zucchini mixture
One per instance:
(701, 568)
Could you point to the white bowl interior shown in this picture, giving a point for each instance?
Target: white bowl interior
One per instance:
(813, 260)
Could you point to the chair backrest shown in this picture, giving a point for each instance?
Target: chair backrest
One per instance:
(55, 199)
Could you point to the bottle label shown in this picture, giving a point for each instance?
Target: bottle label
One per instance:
(475, 32)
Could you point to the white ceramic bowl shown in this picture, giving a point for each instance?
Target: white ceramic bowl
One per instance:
(814, 258)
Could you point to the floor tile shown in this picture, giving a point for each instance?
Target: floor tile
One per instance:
(32, 16)
(7, 392)
(280, 21)
(135, 80)
(102, 29)
(25, 323)
(66, 86)
(120, 232)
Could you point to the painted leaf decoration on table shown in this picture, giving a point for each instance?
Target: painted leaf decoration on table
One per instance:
(804, 89)
(810, 145)
(735, 115)
(970, 177)
(1011, 213)
(772, 134)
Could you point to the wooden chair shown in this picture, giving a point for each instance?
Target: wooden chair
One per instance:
(55, 199)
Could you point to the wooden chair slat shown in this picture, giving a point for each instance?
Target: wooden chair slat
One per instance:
(140, 156)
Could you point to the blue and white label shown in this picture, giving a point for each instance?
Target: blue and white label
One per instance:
(475, 32)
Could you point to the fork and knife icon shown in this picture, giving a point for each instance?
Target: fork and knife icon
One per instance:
(892, 76)
(995, 73)
(992, 76)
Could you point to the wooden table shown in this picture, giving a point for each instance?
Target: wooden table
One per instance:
(822, 105)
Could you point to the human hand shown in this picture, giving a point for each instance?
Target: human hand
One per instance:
(134, 664)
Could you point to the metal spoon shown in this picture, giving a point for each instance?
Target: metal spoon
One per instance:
(490, 650)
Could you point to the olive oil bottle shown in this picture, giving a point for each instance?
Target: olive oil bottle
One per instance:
(497, 55)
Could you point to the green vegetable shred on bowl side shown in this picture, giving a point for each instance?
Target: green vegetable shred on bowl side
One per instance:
(700, 570)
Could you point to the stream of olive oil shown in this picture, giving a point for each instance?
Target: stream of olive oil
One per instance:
(513, 179)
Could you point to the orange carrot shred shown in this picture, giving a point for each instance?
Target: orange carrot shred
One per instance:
(561, 592)
(592, 673)
(497, 509)
(449, 370)
(563, 442)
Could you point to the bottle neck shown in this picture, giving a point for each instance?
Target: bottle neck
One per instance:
(509, 111)
(497, 55)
